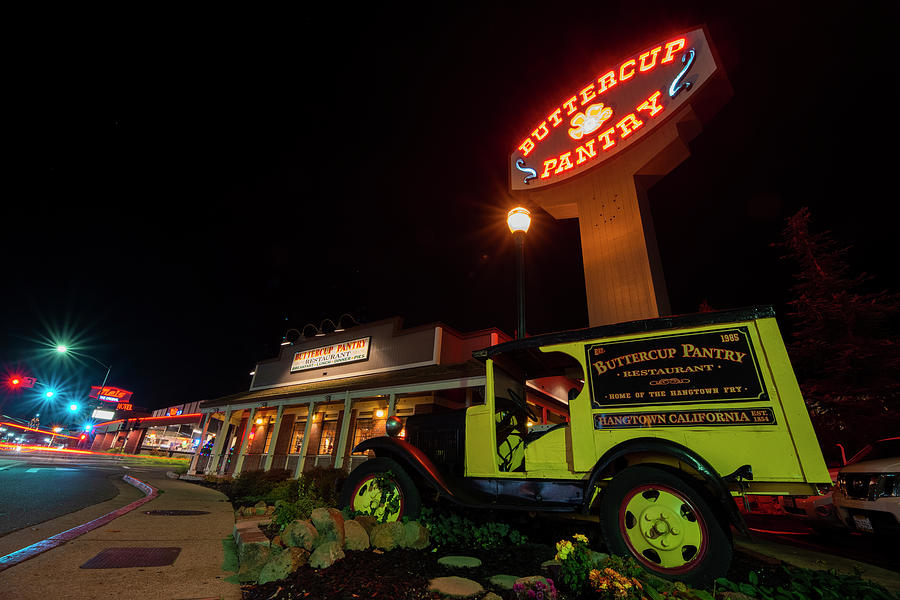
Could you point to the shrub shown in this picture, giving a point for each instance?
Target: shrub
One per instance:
(609, 583)
(807, 584)
(450, 529)
(297, 498)
(575, 562)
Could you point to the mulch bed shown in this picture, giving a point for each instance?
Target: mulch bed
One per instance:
(404, 574)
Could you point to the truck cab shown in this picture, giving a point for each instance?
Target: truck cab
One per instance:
(668, 420)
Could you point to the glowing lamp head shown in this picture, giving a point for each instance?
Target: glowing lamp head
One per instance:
(518, 219)
(393, 426)
(73, 407)
(49, 393)
(379, 413)
(259, 420)
(62, 349)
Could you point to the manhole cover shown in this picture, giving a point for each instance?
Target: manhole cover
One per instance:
(117, 558)
(176, 513)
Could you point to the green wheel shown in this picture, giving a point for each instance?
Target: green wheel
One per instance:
(666, 524)
(381, 488)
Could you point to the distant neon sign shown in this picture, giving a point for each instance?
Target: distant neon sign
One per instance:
(110, 394)
(612, 112)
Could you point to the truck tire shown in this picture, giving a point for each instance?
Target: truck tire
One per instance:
(666, 523)
(380, 487)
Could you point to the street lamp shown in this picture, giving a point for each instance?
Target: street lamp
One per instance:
(63, 349)
(519, 220)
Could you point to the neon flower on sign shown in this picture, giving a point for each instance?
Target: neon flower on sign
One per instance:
(607, 115)
(109, 394)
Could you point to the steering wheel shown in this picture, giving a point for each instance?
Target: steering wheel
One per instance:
(522, 405)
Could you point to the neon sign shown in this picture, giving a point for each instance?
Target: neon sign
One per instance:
(110, 394)
(614, 111)
(335, 354)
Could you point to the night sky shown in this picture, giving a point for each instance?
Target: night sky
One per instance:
(179, 191)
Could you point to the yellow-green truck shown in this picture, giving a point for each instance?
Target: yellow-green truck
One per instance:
(669, 420)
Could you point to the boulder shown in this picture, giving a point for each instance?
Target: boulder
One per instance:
(329, 522)
(282, 564)
(300, 534)
(597, 558)
(259, 508)
(367, 521)
(276, 541)
(253, 557)
(455, 587)
(387, 536)
(325, 555)
(355, 536)
(459, 562)
(529, 582)
(415, 535)
(491, 596)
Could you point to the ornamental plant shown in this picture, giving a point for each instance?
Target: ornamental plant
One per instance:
(575, 562)
(535, 588)
(608, 583)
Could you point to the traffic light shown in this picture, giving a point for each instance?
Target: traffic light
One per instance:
(18, 382)
(15, 381)
(74, 407)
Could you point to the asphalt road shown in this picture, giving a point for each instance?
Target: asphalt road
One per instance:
(34, 489)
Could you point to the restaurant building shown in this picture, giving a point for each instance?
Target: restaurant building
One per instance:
(324, 394)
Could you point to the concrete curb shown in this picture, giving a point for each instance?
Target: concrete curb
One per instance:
(59, 539)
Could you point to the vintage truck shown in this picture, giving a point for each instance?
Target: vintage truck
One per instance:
(670, 420)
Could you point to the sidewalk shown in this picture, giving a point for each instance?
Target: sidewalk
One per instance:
(196, 572)
(819, 561)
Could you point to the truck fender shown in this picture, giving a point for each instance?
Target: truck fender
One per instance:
(409, 457)
(679, 452)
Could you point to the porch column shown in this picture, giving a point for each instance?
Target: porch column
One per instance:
(392, 404)
(342, 435)
(274, 440)
(245, 437)
(204, 427)
(220, 442)
(304, 447)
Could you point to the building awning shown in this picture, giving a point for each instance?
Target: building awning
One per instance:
(377, 382)
(145, 422)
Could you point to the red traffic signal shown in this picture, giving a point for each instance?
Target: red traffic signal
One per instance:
(15, 381)
(20, 381)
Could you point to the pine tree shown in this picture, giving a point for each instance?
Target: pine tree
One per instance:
(842, 344)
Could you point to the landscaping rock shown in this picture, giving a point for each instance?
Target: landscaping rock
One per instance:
(597, 558)
(459, 562)
(387, 536)
(355, 536)
(455, 587)
(253, 557)
(270, 510)
(329, 522)
(300, 534)
(276, 541)
(325, 555)
(504, 582)
(282, 564)
(415, 535)
(491, 596)
(367, 521)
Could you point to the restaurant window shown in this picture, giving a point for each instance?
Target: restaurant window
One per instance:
(268, 440)
(366, 429)
(326, 444)
(297, 437)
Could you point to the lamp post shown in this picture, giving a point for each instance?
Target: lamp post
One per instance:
(519, 220)
(62, 349)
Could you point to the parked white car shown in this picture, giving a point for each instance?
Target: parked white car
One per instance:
(867, 494)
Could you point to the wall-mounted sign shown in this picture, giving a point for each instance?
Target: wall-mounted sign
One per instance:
(124, 406)
(613, 111)
(335, 354)
(686, 368)
(110, 394)
(175, 411)
(103, 414)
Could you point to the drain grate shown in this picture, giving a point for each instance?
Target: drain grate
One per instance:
(176, 513)
(118, 558)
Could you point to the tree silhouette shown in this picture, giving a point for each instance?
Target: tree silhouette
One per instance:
(842, 342)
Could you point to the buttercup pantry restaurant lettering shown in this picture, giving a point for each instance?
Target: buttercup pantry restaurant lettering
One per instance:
(609, 113)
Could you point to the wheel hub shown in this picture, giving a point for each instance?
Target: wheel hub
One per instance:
(659, 528)
(662, 528)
